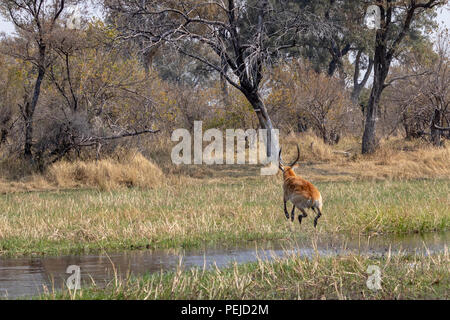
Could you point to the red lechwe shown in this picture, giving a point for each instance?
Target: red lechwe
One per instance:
(302, 193)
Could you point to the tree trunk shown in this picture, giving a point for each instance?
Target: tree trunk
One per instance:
(3, 136)
(369, 142)
(356, 92)
(224, 83)
(28, 138)
(264, 119)
(407, 127)
(337, 55)
(435, 132)
(224, 88)
(31, 107)
(325, 138)
(302, 124)
(381, 70)
(358, 86)
(29, 113)
(333, 66)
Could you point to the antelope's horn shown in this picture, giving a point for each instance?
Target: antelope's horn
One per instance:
(280, 158)
(298, 157)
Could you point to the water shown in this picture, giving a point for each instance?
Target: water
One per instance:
(27, 277)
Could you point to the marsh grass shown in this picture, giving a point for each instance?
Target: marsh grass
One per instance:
(415, 276)
(194, 212)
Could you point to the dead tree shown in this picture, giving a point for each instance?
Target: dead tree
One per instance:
(241, 37)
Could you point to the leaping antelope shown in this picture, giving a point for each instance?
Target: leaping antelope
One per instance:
(302, 193)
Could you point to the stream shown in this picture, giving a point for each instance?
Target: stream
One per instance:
(26, 277)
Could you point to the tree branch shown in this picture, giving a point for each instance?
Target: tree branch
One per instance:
(95, 140)
(441, 128)
(405, 77)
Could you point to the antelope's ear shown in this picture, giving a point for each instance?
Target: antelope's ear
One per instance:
(296, 166)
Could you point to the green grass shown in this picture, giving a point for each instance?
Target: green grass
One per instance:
(344, 277)
(210, 211)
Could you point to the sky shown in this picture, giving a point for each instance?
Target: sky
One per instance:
(5, 26)
(443, 19)
(8, 27)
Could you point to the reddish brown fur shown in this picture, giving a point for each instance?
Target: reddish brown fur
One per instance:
(295, 185)
(302, 193)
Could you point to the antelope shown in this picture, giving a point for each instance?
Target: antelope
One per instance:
(302, 193)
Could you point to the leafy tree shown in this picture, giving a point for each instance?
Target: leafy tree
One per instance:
(396, 20)
(36, 22)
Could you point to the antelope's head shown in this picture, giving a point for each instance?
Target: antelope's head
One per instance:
(288, 169)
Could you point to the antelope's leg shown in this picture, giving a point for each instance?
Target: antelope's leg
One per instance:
(317, 218)
(300, 217)
(293, 213)
(285, 210)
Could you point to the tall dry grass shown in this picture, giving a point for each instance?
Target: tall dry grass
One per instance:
(130, 170)
(394, 159)
(133, 171)
(423, 162)
(312, 148)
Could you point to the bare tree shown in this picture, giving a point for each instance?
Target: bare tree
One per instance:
(438, 90)
(421, 97)
(241, 36)
(98, 104)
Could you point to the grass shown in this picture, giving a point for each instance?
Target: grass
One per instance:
(344, 277)
(129, 202)
(193, 212)
(130, 170)
(395, 159)
(134, 203)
